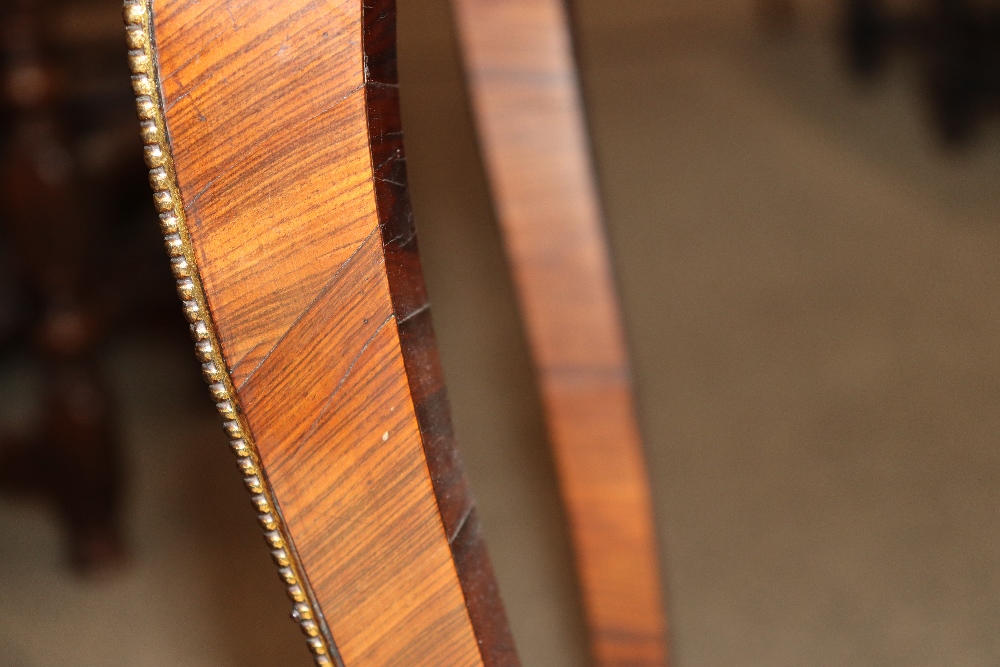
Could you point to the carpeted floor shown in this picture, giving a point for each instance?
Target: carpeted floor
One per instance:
(809, 285)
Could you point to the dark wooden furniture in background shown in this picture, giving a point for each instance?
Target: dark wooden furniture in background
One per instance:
(956, 44)
(63, 164)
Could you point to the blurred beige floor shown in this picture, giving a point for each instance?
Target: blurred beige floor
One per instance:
(809, 286)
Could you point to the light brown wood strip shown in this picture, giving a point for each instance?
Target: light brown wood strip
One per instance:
(528, 111)
(266, 112)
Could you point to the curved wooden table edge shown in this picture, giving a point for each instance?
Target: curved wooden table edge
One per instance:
(618, 635)
(495, 643)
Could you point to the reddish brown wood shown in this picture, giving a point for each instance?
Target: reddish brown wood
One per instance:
(284, 129)
(528, 111)
(417, 340)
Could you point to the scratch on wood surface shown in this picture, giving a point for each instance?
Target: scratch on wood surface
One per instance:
(390, 181)
(409, 233)
(415, 312)
(396, 155)
(460, 524)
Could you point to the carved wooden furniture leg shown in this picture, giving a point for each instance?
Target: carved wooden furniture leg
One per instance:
(525, 94)
(272, 134)
(74, 459)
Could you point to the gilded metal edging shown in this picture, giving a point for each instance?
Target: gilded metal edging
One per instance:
(167, 198)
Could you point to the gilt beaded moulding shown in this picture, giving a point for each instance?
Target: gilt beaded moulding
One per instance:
(169, 205)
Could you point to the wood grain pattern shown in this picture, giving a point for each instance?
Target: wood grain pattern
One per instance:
(527, 105)
(284, 131)
(417, 340)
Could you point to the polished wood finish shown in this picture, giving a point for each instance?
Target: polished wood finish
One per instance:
(284, 129)
(527, 105)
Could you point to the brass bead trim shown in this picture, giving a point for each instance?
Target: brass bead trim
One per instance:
(167, 198)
